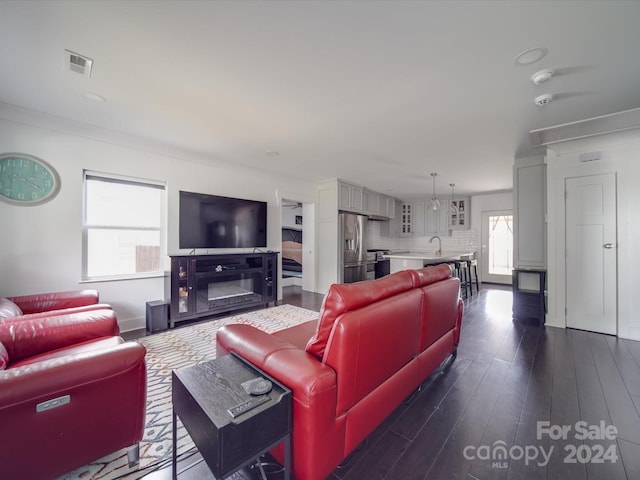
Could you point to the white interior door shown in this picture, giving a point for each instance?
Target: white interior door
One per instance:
(497, 246)
(591, 253)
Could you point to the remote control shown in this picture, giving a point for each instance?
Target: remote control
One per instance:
(248, 405)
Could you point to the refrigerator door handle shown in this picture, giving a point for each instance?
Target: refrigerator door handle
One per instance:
(357, 244)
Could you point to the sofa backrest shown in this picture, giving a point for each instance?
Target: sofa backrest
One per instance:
(428, 275)
(342, 298)
(368, 345)
(439, 310)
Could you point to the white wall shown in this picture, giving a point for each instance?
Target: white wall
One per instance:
(41, 245)
(620, 154)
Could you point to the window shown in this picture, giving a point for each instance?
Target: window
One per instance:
(123, 226)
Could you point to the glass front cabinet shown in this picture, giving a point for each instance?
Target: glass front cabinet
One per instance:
(459, 217)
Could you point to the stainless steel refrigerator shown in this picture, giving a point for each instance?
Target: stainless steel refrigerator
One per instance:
(352, 252)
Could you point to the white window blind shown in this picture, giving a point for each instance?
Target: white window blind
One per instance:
(123, 226)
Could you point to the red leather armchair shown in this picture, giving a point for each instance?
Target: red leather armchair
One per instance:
(71, 391)
(43, 305)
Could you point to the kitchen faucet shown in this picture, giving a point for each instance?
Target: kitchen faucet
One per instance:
(439, 251)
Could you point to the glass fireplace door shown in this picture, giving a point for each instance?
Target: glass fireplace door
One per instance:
(215, 292)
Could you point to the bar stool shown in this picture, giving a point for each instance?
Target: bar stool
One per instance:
(462, 268)
(473, 275)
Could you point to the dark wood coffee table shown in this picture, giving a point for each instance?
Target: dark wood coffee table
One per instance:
(202, 397)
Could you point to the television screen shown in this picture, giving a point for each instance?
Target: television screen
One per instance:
(210, 221)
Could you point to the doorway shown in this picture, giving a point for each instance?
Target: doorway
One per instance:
(292, 251)
(497, 246)
(590, 253)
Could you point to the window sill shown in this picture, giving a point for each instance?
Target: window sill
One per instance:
(119, 278)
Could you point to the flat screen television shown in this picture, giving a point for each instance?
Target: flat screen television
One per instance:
(211, 221)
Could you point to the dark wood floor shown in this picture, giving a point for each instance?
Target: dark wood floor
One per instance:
(508, 379)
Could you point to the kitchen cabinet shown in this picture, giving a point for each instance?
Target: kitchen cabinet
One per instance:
(529, 219)
(461, 218)
(412, 219)
(389, 207)
(435, 221)
(372, 202)
(417, 219)
(357, 199)
(378, 204)
(350, 197)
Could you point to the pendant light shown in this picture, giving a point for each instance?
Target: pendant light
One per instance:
(434, 203)
(452, 206)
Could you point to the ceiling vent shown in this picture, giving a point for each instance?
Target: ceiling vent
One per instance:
(77, 63)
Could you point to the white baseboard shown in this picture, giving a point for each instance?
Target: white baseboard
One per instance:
(289, 281)
(132, 324)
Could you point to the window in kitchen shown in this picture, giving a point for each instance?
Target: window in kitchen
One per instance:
(123, 227)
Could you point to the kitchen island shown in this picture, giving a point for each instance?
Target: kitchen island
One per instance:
(414, 260)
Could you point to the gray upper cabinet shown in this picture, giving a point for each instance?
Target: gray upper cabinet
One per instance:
(350, 197)
(529, 204)
(417, 219)
(378, 204)
(460, 219)
(357, 199)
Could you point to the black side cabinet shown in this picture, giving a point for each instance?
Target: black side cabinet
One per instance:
(203, 285)
(529, 294)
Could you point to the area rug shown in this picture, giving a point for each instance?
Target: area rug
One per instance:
(166, 351)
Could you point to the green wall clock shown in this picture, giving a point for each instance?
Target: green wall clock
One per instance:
(27, 180)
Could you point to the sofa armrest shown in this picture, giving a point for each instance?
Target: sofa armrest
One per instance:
(43, 302)
(303, 373)
(55, 376)
(27, 338)
(458, 324)
(52, 313)
(314, 386)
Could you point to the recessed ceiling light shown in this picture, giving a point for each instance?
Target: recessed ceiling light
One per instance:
(531, 55)
(95, 97)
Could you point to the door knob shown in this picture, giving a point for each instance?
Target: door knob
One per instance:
(608, 245)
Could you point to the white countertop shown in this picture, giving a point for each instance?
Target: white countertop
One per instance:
(431, 256)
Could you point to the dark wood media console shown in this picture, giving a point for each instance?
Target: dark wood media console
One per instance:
(203, 285)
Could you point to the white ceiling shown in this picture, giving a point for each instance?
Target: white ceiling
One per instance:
(378, 93)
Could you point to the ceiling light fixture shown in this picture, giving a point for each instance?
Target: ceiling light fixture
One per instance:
(541, 76)
(531, 55)
(453, 208)
(434, 203)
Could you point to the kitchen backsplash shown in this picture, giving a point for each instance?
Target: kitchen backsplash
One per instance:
(465, 240)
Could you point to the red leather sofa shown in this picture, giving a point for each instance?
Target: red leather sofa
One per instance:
(71, 391)
(374, 343)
